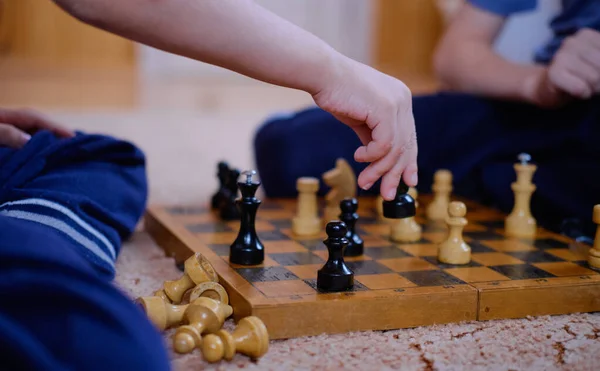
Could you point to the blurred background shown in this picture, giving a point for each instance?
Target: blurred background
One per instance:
(188, 115)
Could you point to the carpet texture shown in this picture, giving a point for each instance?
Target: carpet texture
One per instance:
(567, 342)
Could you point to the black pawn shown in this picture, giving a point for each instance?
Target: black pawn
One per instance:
(247, 248)
(222, 172)
(228, 208)
(349, 216)
(402, 206)
(335, 274)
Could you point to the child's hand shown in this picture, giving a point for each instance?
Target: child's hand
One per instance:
(17, 126)
(379, 109)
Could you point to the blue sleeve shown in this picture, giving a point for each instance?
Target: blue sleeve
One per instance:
(504, 7)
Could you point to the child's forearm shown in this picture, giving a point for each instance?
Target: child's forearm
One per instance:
(235, 34)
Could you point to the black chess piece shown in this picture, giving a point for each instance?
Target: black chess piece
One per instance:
(222, 172)
(349, 216)
(335, 275)
(402, 206)
(247, 248)
(228, 208)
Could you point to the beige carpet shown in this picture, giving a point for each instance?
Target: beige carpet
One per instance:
(569, 342)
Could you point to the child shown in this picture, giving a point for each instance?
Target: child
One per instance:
(68, 200)
(493, 109)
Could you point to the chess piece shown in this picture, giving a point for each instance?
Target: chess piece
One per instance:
(335, 275)
(454, 250)
(437, 210)
(594, 253)
(406, 229)
(211, 290)
(247, 249)
(349, 215)
(204, 315)
(342, 181)
(520, 223)
(228, 209)
(197, 269)
(162, 314)
(218, 197)
(307, 221)
(250, 338)
(379, 208)
(402, 206)
(163, 295)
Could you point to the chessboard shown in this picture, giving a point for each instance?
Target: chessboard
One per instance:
(396, 285)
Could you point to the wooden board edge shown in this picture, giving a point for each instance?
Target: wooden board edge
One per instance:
(341, 316)
(538, 301)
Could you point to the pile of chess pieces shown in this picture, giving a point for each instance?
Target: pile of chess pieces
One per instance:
(199, 306)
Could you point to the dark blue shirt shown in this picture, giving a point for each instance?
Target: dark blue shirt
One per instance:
(575, 15)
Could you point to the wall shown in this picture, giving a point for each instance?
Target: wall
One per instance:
(344, 24)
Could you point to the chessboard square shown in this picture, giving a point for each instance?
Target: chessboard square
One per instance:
(281, 223)
(367, 267)
(267, 262)
(209, 227)
(312, 244)
(371, 240)
(287, 246)
(477, 247)
(492, 224)
(564, 269)
(265, 274)
(521, 271)
(494, 258)
(262, 226)
(550, 243)
(272, 235)
(217, 238)
(296, 258)
(435, 237)
(421, 250)
(357, 286)
(382, 229)
(284, 288)
(308, 271)
(432, 278)
(485, 235)
(407, 264)
(476, 274)
(565, 254)
(387, 252)
(538, 256)
(220, 249)
(384, 281)
(434, 260)
(509, 244)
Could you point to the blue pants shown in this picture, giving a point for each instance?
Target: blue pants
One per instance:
(477, 139)
(66, 205)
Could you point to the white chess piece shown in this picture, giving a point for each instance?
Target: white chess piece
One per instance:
(520, 223)
(307, 221)
(454, 250)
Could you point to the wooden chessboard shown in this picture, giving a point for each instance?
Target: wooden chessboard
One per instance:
(396, 285)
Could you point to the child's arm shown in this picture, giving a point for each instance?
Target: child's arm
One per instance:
(246, 38)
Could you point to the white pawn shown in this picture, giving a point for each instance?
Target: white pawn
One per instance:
(454, 250)
(406, 229)
(520, 223)
(594, 253)
(437, 210)
(307, 221)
